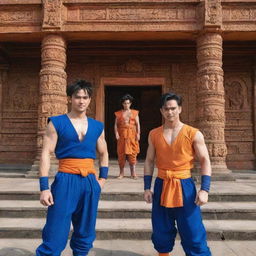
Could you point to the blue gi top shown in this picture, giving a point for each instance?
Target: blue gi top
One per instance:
(69, 145)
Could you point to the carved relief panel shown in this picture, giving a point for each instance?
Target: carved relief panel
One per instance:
(239, 123)
(52, 14)
(19, 119)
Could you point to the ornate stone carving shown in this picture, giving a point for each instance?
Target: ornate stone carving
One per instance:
(213, 12)
(210, 101)
(131, 14)
(217, 151)
(212, 82)
(239, 14)
(209, 14)
(53, 100)
(142, 14)
(52, 14)
(133, 66)
(236, 94)
(16, 16)
(93, 14)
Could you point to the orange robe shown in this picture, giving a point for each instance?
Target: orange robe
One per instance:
(174, 162)
(127, 144)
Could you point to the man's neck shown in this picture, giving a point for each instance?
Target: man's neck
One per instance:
(172, 125)
(77, 115)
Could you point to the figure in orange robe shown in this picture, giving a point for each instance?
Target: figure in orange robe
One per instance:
(127, 131)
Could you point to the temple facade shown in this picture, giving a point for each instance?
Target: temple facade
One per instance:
(203, 50)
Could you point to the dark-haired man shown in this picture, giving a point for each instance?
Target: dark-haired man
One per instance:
(75, 192)
(175, 200)
(127, 132)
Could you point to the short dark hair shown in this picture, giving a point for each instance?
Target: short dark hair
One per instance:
(79, 85)
(170, 96)
(126, 97)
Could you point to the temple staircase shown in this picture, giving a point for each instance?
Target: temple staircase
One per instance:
(230, 214)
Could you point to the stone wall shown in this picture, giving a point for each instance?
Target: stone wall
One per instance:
(20, 98)
(19, 116)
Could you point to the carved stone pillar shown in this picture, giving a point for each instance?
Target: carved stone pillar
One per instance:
(210, 99)
(52, 97)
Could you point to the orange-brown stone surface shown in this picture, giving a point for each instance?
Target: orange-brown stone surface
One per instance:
(202, 50)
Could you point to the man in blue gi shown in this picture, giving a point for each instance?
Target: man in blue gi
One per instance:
(75, 192)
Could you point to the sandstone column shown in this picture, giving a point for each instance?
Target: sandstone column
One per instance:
(52, 97)
(210, 99)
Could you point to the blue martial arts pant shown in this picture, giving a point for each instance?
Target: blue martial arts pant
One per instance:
(75, 200)
(188, 219)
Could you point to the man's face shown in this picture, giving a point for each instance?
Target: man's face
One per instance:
(80, 101)
(171, 111)
(126, 104)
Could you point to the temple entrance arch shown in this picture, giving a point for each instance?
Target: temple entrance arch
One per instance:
(146, 93)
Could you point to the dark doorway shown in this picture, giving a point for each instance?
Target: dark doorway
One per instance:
(146, 100)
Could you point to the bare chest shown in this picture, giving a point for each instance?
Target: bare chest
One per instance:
(126, 116)
(81, 127)
(170, 135)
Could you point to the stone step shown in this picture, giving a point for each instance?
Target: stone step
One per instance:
(236, 196)
(12, 175)
(131, 229)
(132, 209)
(129, 190)
(27, 247)
(13, 171)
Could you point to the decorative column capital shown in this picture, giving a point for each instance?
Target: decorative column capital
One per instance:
(52, 15)
(210, 13)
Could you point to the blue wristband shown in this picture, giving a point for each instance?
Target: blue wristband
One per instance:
(44, 183)
(205, 182)
(147, 181)
(103, 172)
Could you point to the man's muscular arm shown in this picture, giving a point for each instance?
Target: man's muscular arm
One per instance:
(116, 130)
(137, 127)
(103, 155)
(204, 159)
(49, 144)
(149, 169)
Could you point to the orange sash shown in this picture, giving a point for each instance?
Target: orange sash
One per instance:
(172, 191)
(77, 166)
